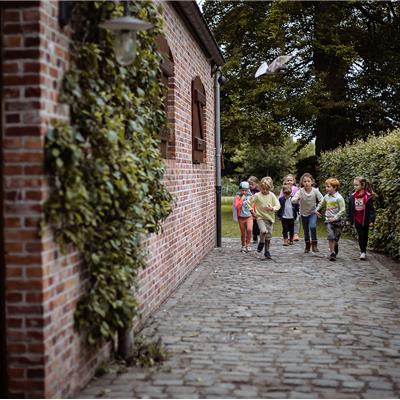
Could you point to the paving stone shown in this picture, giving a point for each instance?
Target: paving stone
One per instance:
(295, 327)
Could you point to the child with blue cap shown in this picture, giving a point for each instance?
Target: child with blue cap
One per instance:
(245, 219)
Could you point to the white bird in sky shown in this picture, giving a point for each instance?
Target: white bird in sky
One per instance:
(277, 65)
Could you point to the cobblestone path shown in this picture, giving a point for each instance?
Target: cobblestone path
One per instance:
(296, 326)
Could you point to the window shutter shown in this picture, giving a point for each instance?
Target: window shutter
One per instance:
(198, 121)
(167, 74)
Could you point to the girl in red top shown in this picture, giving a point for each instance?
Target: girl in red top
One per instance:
(361, 212)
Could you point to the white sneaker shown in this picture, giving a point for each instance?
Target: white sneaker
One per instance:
(248, 248)
(363, 256)
(243, 249)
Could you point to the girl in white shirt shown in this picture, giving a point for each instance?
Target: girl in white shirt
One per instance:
(309, 198)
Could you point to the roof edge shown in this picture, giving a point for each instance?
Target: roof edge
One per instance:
(196, 22)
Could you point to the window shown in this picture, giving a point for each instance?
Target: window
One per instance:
(198, 120)
(167, 78)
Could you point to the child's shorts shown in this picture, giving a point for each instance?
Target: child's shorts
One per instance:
(334, 230)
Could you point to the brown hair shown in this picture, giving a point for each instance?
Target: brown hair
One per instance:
(306, 175)
(333, 182)
(286, 189)
(364, 184)
(290, 176)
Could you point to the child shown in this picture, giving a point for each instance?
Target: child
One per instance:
(361, 212)
(245, 219)
(266, 204)
(290, 180)
(335, 210)
(309, 198)
(287, 214)
(254, 182)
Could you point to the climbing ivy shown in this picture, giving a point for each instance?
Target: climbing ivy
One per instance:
(105, 166)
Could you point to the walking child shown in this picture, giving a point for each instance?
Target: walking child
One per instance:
(335, 210)
(245, 219)
(266, 204)
(254, 182)
(361, 212)
(290, 180)
(287, 214)
(308, 197)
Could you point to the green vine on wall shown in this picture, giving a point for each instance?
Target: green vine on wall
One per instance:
(106, 168)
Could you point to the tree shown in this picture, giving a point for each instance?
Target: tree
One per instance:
(342, 84)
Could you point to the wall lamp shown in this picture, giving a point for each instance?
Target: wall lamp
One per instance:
(125, 29)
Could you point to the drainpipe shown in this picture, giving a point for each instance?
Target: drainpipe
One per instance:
(3, 340)
(217, 77)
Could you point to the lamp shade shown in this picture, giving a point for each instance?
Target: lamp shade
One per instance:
(125, 29)
(126, 23)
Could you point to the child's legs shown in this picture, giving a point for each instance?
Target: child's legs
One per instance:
(242, 226)
(331, 236)
(263, 230)
(306, 228)
(248, 229)
(362, 233)
(256, 230)
(297, 224)
(313, 226)
(285, 228)
(290, 223)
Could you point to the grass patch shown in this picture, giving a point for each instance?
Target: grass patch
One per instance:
(230, 228)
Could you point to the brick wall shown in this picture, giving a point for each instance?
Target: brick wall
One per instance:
(47, 357)
(189, 232)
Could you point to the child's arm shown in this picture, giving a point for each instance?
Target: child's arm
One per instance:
(320, 198)
(319, 206)
(296, 198)
(238, 202)
(342, 209)
(275, 203)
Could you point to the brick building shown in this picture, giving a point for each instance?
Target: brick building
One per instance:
(42, 355)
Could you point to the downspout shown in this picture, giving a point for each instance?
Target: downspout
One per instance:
(3, 337)
(217, 76)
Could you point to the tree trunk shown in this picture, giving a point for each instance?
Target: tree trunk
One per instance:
(332, 125)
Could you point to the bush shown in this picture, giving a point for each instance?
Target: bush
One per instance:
(378, 160)
(229, 186)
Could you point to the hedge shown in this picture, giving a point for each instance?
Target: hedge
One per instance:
(378, 160)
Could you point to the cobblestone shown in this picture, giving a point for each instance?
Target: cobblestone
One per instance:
(296, 326)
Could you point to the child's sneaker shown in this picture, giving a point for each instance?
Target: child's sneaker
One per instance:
(248, 248)
(260, 247)
(243, 249)
(267, 255)
(296, 237)
(332, 257)
(285, 242)
(363, 256)
(291, 242)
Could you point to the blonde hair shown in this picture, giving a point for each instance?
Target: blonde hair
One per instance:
(270, 182)
(265, 185)
(333, 182)
(253, 179)
(289, 176)
(306, 175)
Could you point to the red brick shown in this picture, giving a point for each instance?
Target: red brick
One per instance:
(10, 68)
(25, 131)
(12, 118)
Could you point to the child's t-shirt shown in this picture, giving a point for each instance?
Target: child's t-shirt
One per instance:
(264, 200)
(308, 201)
(335, 206)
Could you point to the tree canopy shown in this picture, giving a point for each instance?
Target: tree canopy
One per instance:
(342, 83)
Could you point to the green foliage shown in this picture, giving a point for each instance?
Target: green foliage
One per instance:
(343, 83)
(378, 160)
(106, 167)
(148, 354)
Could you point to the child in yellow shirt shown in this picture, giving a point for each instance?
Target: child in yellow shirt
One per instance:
(266, 204)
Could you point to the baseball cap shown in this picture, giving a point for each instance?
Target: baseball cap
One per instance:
(244, 185)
